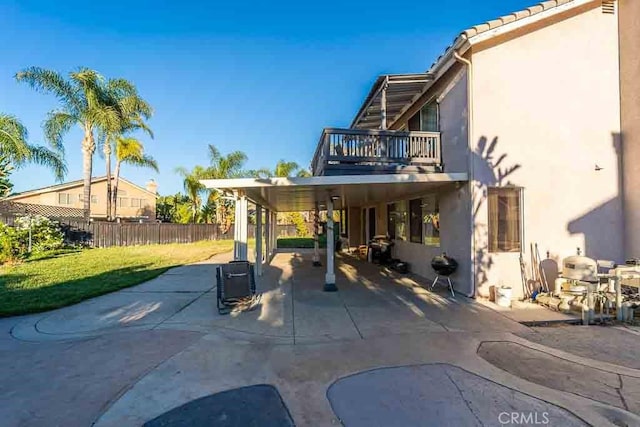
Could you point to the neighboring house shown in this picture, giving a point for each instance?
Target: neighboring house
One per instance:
(134, 201)
(518, 134)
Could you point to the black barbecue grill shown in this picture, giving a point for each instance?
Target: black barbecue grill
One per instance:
(444, 266)
(380, 247)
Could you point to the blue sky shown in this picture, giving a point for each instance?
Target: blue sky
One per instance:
(261, 77)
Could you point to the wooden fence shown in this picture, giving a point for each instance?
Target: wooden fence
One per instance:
(103, 234)
(106, 234)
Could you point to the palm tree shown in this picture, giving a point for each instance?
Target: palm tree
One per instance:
(134, 111)
(85, 102)
(17, 152)
(5, 170)
(193, 188)
(223, 167)
(284, 169)
(129, 151)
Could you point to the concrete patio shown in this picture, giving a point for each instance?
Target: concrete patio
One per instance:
(128, 357)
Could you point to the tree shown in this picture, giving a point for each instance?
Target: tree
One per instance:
(129, 151)
(5, 170)
(17, 152)
(285, 169)
(223, 167)
(84, 101)
(173, 208)
(134, 111)
(193, 188)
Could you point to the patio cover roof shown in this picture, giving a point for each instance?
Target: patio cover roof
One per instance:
(402, 90)
(302, 194)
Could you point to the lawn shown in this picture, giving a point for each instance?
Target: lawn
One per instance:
(301, 242)
(69, 277)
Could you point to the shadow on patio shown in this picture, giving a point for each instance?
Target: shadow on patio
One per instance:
(370, 302)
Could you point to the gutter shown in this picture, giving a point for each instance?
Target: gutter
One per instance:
(459, 58)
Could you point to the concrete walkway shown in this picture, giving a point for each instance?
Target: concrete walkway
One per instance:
(128, 357)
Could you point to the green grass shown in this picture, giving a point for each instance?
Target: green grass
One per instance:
(301, 242)
(66, 277)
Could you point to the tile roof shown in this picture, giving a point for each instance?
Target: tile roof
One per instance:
(512, 17)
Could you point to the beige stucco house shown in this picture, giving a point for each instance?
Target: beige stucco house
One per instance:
(525, 131)
(134, 201)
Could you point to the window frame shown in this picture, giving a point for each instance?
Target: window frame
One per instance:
(419, 115)
(68, 199)
(427, 240)
(520, 217)
(392, 208)
(415, 236)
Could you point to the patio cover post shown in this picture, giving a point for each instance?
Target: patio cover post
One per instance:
(274, 232)
(330, 277)
(267, 235)
(316, 244)
(258, 240)
(240, 227)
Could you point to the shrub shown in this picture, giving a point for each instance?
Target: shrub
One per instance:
(13, 244)
(14, 241)
(46, 235)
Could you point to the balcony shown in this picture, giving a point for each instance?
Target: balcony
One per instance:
(360, 151)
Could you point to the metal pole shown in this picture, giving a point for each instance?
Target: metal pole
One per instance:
(316, 244)
(330, 277)
(383, 105)
(30, 234)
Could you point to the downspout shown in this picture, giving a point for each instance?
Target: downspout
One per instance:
(469, 67)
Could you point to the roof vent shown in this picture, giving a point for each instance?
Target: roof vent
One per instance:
(609, 7)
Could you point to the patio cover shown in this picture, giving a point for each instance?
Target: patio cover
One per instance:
(400, 92)
(302, 194)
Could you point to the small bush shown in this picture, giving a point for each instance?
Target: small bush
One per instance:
(13, 244)
(14, 241)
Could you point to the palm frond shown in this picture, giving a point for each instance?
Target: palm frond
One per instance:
(49, 81)
(45, 157)
(15, 148)
(57, 124)
(144, 161)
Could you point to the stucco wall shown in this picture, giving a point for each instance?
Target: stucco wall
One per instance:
(548, 101)
(629, 21)
(454, 240)
(454, 133)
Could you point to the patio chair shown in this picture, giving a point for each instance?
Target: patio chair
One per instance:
(236, 287)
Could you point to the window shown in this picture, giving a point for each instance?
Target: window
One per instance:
(424, 220)
(65, 199)
(397, 220)
(415, 220)
(135, 203)
(123, 202)
(429, 117)
(426, 119)
(431, 220)
(94, 199)
(505, 228)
